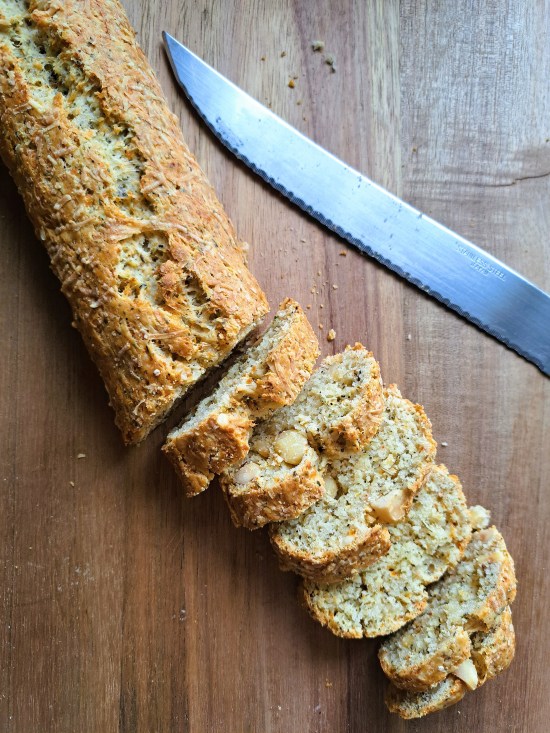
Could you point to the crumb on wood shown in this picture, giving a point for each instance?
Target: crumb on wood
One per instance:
(328, 683)
(317, 45)
(330, 61)
(343, 253)
(81, 455)
(334, 286)
(262, 58)
(331, 335)
(409, 336)
(283, 54)
(321, 326)
(71, 483)
(444, 443)
(291, 83)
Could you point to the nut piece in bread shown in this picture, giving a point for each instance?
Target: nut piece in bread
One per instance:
(148, 259)
(270, 374)
(339, 407)
(344, 533)
(392, 591)
(470, 599)
(492, 653)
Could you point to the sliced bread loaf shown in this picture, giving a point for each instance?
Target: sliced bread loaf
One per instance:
(379, 600)
(346, 531)
(492, 653)
(267, 376)
(339, 409)
(469, 599)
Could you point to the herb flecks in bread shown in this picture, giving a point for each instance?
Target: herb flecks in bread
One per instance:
(392, 591)
(267, 376)
(469, 599)
(346, 530)
(492, 653)
(339, 409)
(149, 261)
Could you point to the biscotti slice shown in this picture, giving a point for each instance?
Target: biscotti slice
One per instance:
(339, 408)
(469, 599)
(392, 591)
(346, 530)
(270, 374)
(492, 653)
(146, 255)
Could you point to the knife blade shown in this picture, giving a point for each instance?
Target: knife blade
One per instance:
(441, 263)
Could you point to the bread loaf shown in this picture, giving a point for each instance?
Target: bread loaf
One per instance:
(469, 599)
(339, 409)
(492, 653)
(150, 263)
(392, 591)
(346, 531)
(267, 376)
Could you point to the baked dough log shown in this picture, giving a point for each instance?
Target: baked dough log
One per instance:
(346, 530)
(339, 409)
(492, 653)
(469, 599)
(267, 376)
(392, 591)
(149, 261)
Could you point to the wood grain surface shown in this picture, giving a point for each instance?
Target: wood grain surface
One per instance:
(127, 608)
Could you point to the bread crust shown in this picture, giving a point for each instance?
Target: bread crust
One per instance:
(354, 431)
(221, 439)
(104, 172)
(412, 705)
(333, 565)
(492, 653)
(457, 647)
(260, 503)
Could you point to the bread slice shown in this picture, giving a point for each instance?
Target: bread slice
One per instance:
(469, 599)
(346, 530)
(392, 591)
(264, 378)
(492, 653)
(339, 409)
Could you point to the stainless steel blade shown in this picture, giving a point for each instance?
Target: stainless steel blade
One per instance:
(439, 262)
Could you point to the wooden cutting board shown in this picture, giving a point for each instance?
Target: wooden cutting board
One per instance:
(125, 607)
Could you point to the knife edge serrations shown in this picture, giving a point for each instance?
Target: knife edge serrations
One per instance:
(247, 112)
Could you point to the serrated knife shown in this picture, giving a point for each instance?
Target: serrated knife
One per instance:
(441, 263)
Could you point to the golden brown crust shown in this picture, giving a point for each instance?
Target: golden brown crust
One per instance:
(420, 677)
(221, 438)
(333, 565)
(152, 331)
(412, 705)
(354, 431)
(276, 501)
(199, 455)
(492, 652)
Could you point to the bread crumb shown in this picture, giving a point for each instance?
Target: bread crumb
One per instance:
(291, 83)
(328, 683)
(299, 102)
(262, 58)
(321, 326)
(317, 45)
(343, 253)
(302, 240)
(81, 455)
(334, 286)
(330, 61)
(71, 483)
(308, 306)
(283, 54)
(444, 443)
(409, 336)
(331, 335)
